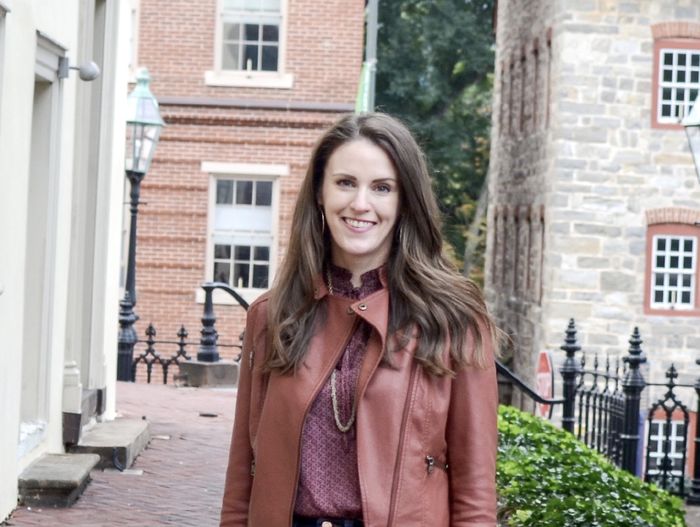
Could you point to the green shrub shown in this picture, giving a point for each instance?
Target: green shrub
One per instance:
(547, 478)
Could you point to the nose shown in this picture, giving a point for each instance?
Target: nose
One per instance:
(360, 201)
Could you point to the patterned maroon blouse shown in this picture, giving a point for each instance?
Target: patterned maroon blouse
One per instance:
(329, 485)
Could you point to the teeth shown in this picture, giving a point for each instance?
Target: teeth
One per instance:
(358, 223)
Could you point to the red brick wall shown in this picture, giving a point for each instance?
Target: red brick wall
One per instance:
(176, 44)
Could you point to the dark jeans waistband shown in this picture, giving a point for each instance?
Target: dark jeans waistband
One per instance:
(300, 521)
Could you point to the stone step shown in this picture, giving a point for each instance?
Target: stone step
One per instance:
(56, 480)
(199, 374)
(117, 442)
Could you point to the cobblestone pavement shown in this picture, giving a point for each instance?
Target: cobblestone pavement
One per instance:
(692, 516)
(182, 469)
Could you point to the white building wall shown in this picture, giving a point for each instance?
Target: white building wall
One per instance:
(58, 20)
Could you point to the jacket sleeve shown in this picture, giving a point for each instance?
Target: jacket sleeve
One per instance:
(239, 480)
(472, 442)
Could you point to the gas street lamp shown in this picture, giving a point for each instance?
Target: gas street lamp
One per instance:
(143, 126)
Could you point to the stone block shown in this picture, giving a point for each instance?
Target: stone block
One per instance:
(597, 229)
(591, 262)
(117, 442)
(616, 281)
(55, 480)
(198, 373)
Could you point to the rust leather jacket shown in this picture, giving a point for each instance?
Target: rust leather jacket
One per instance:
(426, 446)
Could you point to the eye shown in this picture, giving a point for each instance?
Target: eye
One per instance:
(383, 187)
(344, 182)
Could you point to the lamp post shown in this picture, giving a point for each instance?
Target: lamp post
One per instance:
(692, 129)
(143, 125)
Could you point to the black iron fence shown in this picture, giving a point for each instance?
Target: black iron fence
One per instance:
(601, 406)
(163, 353)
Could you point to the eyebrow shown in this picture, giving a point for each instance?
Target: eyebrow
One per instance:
(345, 174)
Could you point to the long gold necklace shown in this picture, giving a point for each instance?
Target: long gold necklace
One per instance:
(344, 428)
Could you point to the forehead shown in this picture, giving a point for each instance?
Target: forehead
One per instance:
(360, 157)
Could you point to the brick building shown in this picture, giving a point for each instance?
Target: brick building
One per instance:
(593, 194)
(245, 88)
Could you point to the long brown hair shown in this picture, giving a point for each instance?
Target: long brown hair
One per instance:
(427, 296)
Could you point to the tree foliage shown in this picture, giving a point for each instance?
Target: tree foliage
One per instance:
(434, 71)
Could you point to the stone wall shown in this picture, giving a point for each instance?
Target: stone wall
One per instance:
(597, 170)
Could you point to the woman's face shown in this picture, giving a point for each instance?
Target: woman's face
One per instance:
(360, 198)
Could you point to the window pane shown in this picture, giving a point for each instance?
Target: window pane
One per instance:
(252, 31)
(224, 192)
(686, 280)
(250, 57)
(668, 59)
(660, 244)
(261, 254)
(685, 297)
(673, 280)
(240, 275)
(229, 57)
(666, 110)
(222, 251)
(242, 252)
(675, 244)
(687, 262)
(660, 261)
(270, 33)
(694, 79)
(658, 296)
(270, 5)
(681, 59)
(232, 31)
(687, 245)
(674, 262)
(695, 60)
(222, 272)
(263, 193)
(667, 94)
(680, 76)
(668, 75)
(260, 275)
(244, 192)
(269, 58)
(658, 279)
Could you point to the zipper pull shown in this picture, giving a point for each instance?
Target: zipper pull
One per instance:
(430, 461)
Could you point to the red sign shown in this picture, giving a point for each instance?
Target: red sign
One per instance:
(544, 382)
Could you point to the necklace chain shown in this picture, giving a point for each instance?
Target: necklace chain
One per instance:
(344, 428)
(336, 412)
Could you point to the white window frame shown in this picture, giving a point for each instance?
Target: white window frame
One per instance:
(248, 172)
(679, 108)
(4, 9)
(279, 79)
(676, 442)
(667, 271)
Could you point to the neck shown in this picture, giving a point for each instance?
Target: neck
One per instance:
(357, 268)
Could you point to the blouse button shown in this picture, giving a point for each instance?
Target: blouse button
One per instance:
(326, 524)
(362, 307)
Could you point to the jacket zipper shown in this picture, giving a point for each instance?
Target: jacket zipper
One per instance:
(432, 463)
(397, 464)
(306, 413)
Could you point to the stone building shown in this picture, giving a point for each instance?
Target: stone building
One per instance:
(61, 169)
(594, 199)
(245, 88)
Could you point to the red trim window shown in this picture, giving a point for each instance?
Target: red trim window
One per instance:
(676, 75)
(672, 270)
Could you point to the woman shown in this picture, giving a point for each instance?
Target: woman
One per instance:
(367, 393)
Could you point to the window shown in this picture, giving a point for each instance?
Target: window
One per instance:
(242, 227)
(676, 449)
(679, 77)
(673, 274)
(243, 233)
(676, 74)
(3, 12)
(671, 287)
(250, 45)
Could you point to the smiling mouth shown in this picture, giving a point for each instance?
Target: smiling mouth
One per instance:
(359, 224)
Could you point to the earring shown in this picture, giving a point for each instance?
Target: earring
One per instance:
(323, 222)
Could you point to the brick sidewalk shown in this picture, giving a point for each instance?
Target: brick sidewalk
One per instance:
(183, 466)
